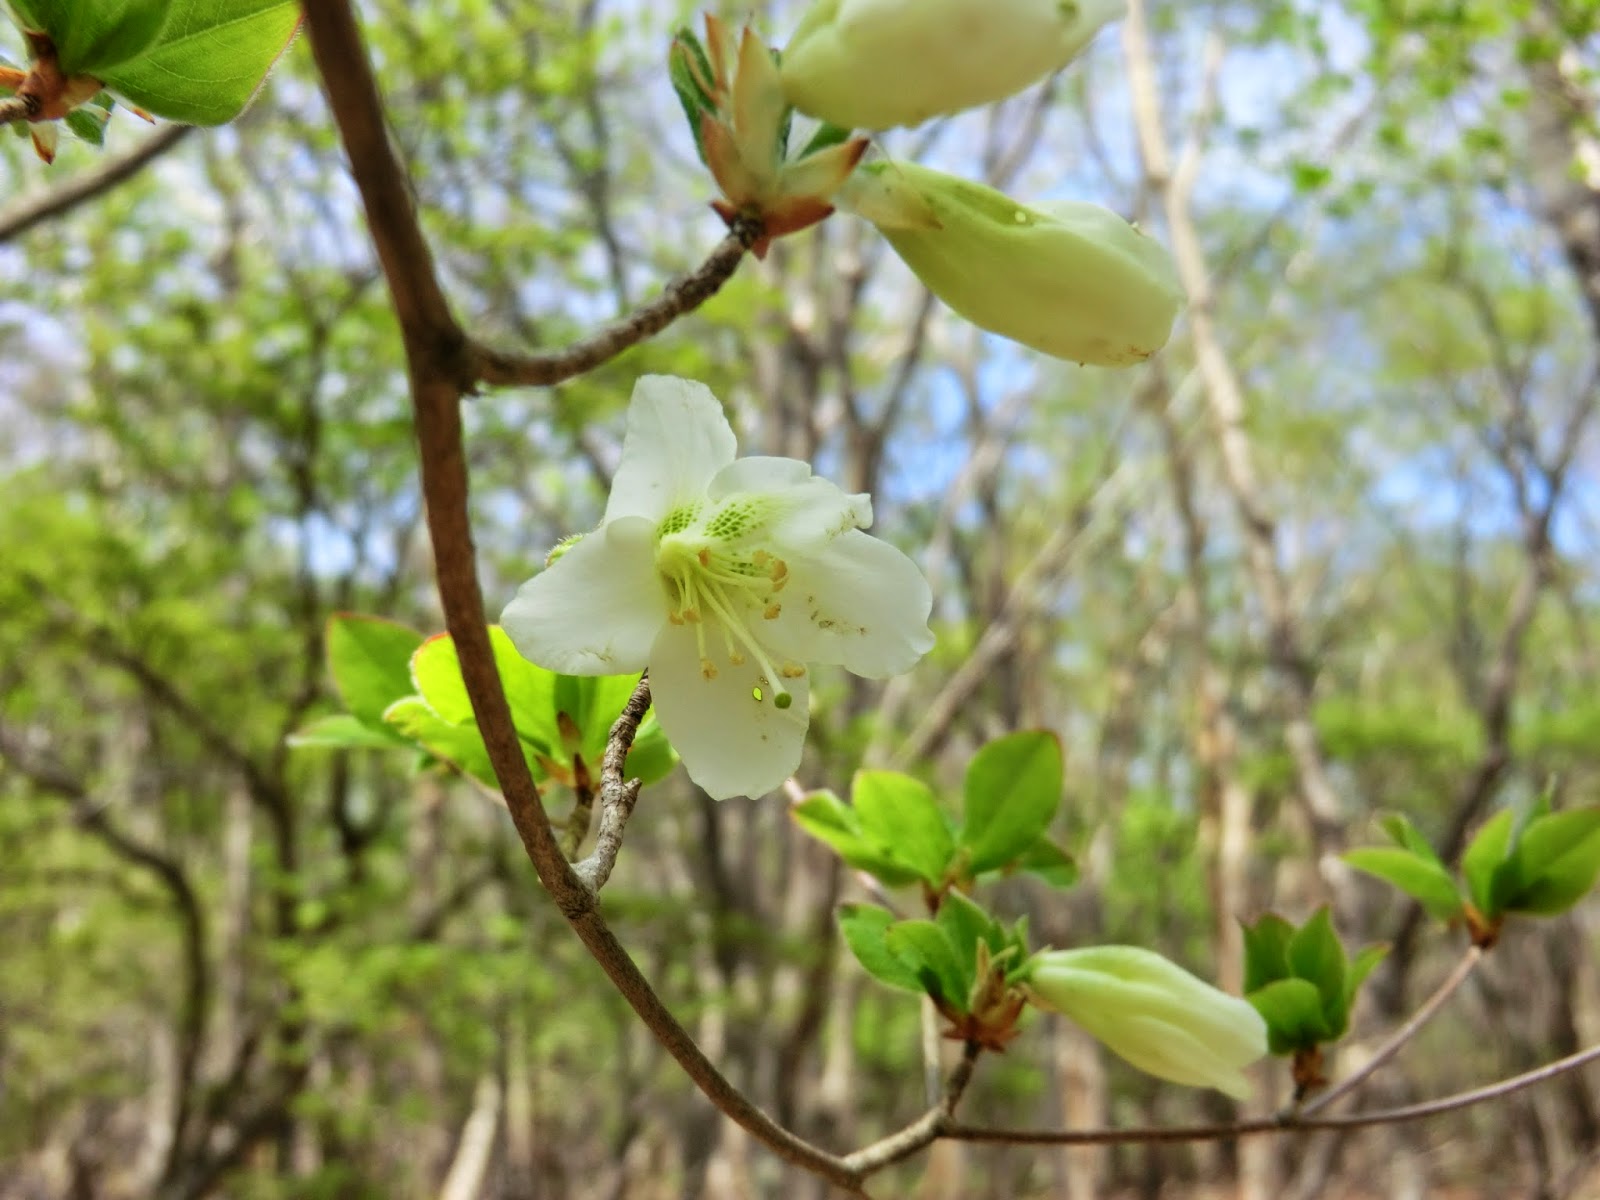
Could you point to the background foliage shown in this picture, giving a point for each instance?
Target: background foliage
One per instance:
(235, 969)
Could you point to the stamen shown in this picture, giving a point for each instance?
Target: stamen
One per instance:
(793, 671)
(708, 669)
(770, 613)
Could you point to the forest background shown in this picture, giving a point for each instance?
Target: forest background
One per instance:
(1330, 554)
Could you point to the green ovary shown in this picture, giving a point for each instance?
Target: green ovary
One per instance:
(711, 584)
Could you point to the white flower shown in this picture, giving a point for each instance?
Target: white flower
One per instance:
(723, 577)
(870, 64)
(1153, 1013)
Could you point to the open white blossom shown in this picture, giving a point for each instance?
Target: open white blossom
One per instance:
(725, 577)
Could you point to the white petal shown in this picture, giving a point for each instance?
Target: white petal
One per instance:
(758, 474)
(799, 512)
(677, 440)
(598, 609)
(860, 603)
(731, 743)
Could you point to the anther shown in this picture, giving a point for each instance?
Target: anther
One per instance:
(772, 610)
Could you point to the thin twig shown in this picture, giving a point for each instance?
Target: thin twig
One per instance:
(1401, 1036)
(684, 294)
(18, 108)
(438, 361)
(16, 219)
(1224, 1132)
(617, 794)
(927, 1128)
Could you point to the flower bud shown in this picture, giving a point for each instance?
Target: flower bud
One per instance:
(1068, 278)
(1153, 1013)
(870, 64)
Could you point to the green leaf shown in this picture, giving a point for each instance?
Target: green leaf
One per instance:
(598, 700)
(826, 136)
(863, 927)
(967, 924)
(685, 60)
(1360, 967)
(1414, 875)
(209, 60)
(530, 689)
(833, 822)
(345, 731)
(1266, 951)
(1557, 861)
(87, 123)
(1316, 955)
(1481, 861)
(461, 746)
(1399, 827)
(1013, 789)
(370, 661)
(900, 815)
(1049, 862)
(1292, 1009)
(927, 950)
(92, 36)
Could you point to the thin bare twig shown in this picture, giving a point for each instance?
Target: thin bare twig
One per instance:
(617, 794)
(18, 218)
(18, 108)
(1401, 1036)
(926, 1129)
(1237, 1129)
(684, 294)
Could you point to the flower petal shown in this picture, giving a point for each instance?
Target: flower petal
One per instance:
(677, 440)
(859, 602)
(731, 743)
(598, 609)
(799, 513)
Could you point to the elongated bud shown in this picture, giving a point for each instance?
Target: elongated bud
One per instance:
(1153, 1013)
(1068, 278)
(871, 64)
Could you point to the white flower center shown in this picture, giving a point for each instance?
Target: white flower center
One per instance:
(714, 580)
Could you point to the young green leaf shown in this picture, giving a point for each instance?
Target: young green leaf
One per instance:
(209, 60)
(461, 746)
(530, 689)
(92, 36)
(1049, 862)
(1292, 1009)
(1421, 878)
(1316, 955)
(927, 950)
(834, 823)
(901, 815)
(967, 924)
(345, 731)
(370, 660)
(1557, 861)
(1013, 788)
(1483, 858)
(1399, 827)
(1266, 951)
(1361, 966)
(863, 927)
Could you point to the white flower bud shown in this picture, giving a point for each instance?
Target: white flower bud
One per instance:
(1153, 1013)
(1068, 278)
(870, 64)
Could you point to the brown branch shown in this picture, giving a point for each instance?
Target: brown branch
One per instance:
(617, 795)
(19, 108)
(1401, 1036)
(926, 1129)
(1150, 1135)
(686, 293)
(22, 216)
(440, 368)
